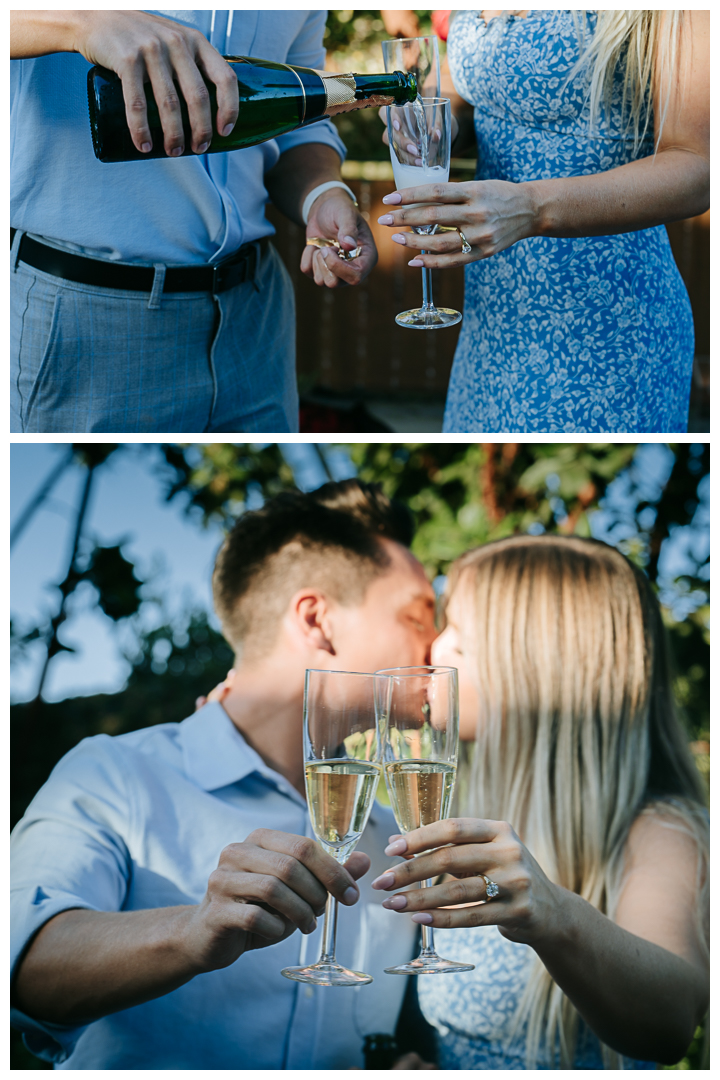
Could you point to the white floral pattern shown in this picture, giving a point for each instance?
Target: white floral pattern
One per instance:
(473, 1011)
(590, 334)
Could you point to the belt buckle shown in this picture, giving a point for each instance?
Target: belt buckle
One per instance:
(232, 271)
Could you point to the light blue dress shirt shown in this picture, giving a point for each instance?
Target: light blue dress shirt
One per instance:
(169, 211)
(138, 821)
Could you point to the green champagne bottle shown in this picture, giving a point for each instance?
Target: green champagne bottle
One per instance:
(274, 98)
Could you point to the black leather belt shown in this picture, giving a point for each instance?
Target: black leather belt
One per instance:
(235, 270)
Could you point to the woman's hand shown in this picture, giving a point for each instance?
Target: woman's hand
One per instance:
(383, 114)
(528, 906)
(218, 693)
(493, 215)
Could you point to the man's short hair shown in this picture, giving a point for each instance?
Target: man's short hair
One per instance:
(328, 539)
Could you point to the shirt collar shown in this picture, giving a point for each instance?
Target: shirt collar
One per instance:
(215, 753)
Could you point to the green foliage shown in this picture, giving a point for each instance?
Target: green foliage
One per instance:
(217, 479)
(463, 496)
(357, 35)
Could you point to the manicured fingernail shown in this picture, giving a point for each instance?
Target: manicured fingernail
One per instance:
(418, 162)
(394, 197)
(395, 836)
(351, 895)
(395, 903)
(399, 238)
(349, 240)
(176, 151)
(202, 147)
(396, 125)
(415, 262)
(146, 147)
(412, 148)
(399, 846)
(227, 129)
(385, 881)
(386, 219)
(423, 917)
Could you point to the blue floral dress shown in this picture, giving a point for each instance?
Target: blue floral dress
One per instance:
(589, 334)
(473, 1011)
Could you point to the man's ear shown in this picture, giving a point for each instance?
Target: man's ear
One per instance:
(310, 616)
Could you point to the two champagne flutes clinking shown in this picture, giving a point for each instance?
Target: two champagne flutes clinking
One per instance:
(400, 722)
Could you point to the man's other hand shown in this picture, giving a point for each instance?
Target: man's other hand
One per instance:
(334, 216)
(262, 891)
(144, 48)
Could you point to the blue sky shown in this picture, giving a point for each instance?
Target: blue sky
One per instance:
(170, 550)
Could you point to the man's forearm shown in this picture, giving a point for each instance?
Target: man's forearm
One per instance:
(640, 999)
(85, 964)
(39, 33)
(297, 172)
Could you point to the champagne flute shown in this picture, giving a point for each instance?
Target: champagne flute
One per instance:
(420, 138)
(418, 717)
(419, 56)
(342, 769)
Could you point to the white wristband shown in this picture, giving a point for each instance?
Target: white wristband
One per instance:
(307, 205)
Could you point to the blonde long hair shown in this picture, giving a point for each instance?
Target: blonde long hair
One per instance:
(577, 734)
(647, 43)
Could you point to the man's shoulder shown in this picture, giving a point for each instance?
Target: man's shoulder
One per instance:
(160, 741)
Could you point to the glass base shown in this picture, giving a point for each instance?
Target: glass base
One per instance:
(430, 318)
(428, 965)
(327, 974)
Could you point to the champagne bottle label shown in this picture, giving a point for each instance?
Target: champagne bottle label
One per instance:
(340, 89)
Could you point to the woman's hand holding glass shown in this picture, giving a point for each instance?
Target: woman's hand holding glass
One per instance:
(527, 906)
(493, 215)
(418, 720)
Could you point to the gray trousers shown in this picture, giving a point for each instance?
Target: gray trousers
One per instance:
(92, 359)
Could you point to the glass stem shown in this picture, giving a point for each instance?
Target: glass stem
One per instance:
(327, 955)
(427, 285)
(428, 941)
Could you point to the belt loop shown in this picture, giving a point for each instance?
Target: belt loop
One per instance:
(157, 287)
(15, 249)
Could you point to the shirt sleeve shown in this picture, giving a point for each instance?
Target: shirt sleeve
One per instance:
(68, 851)
(307, 51)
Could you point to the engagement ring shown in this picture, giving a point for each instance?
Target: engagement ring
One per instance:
(466, 249)
(491, 887)
(324, 241)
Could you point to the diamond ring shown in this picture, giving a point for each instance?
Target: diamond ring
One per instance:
(492, 888)
(466, 247)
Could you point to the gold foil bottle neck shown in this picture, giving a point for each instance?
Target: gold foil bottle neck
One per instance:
(340, 89)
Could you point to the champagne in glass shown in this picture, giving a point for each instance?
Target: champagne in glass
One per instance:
(420, 137)
(342, 769)
(418, 717)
